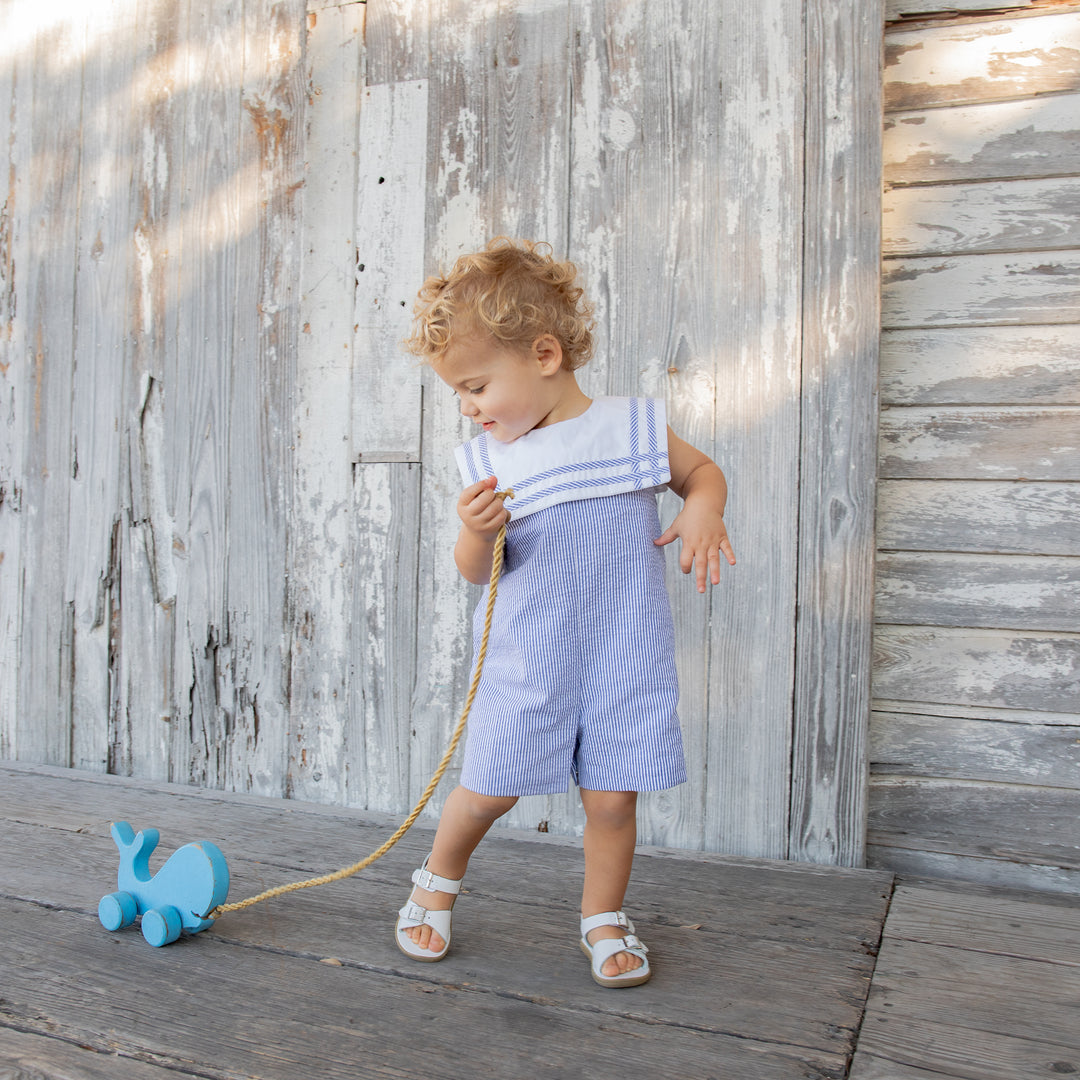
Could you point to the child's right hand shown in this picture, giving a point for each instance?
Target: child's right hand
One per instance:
(481, 511)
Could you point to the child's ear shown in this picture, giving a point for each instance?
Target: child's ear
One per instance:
(548, 352)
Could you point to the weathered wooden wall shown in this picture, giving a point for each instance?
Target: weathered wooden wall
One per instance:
(151, 255)
(975, 735)
(227, 499)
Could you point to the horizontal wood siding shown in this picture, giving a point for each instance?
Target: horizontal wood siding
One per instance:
(1007, 668)
(1014, 518)
(953, 219)
(976, 719)
(982, 290)
(1007, 140)
(965, 748)
(899, 9)
(1010, 822)
(998, 61)
(945, 589)
(981, 365)
(1021, 442)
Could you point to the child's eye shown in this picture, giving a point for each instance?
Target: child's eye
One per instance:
(476, 389)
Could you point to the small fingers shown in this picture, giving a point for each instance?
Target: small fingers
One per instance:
(714, 567)
(471, 492)
(480, 508)
(729, 552)
(704, 563)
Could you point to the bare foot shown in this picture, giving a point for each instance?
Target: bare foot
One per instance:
(619, 963)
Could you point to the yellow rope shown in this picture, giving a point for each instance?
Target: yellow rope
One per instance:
(403, 828)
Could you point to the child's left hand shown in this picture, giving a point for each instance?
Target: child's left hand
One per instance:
(704, 537)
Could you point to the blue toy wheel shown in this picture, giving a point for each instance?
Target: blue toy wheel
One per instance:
(161, 925)
(117, 910)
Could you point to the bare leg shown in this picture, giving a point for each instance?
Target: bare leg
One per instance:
(465, 819)
(610, 838)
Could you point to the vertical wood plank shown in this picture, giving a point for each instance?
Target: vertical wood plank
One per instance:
(104, 228)
(321, 516)
(839, 424)
(760, 207)
(143, 710)
(43, 724)
(142, 713)
(397, 41)
(265, 331)
(393, 63)
(15, 399)
(199, 386)
(391, 192)
(382, 567)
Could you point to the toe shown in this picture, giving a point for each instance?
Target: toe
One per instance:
(425, 938)
(619, 964)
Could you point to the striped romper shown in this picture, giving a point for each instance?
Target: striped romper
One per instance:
(579, 681)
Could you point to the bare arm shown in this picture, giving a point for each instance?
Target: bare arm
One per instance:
(700, 483)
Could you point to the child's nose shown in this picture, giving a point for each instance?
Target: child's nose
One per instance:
(468, 408)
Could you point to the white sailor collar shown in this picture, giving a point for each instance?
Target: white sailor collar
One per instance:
(616, 445)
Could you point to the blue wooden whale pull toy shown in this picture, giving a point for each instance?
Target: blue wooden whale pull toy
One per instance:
(180, 896)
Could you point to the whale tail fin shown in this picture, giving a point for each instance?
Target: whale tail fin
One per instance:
(123, 834)
(135, 850)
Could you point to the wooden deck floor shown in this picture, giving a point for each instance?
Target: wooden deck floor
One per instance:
(762, 969)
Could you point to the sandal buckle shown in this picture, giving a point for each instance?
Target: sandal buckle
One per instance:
(412, 912)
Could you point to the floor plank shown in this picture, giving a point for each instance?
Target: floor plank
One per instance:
(973, 986)
(35, 1057)
(1035, 931)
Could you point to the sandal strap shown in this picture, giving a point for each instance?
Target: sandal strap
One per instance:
(412, 914)
(433, 883)
(607, 947)
(605, 918)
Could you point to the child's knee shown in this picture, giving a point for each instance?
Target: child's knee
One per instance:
(486, 807)
(610, 809)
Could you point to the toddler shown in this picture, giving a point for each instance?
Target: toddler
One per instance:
(579, 681)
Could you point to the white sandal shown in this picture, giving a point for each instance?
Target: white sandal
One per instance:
(413, 914)
(605, 948)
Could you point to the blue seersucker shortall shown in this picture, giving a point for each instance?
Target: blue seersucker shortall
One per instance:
(579, 681)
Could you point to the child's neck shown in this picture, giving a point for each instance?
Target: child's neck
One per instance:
(568, 400)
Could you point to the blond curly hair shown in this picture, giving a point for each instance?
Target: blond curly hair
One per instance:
(513, 290)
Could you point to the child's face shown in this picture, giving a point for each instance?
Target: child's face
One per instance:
(504, 390)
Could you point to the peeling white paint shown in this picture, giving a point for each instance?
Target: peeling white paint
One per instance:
(161, 526)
